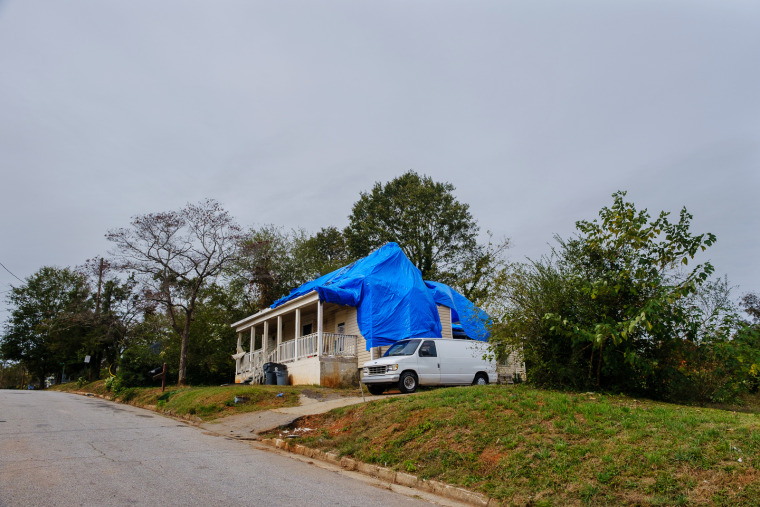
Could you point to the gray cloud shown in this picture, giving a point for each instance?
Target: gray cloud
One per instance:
(285, 111)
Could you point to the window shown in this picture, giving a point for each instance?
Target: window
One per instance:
(402, 348)
(341, 328)
(428, 349)
(307, 329)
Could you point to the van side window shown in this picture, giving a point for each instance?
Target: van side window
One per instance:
(427, 349)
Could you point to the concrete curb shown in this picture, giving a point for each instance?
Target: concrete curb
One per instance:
(385, 474)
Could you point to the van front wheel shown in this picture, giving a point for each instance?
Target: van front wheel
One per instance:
(407, 383)
(480, 380)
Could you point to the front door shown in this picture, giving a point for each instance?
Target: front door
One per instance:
(428, 365)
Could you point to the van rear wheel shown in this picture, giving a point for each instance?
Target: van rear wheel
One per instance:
(407, 383)
(481, 379)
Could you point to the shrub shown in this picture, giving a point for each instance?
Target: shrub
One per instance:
(135, 363)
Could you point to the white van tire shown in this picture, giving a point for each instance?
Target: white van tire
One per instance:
(407, 383)
(481, 379)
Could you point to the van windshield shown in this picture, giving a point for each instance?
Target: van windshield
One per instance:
(402, 348)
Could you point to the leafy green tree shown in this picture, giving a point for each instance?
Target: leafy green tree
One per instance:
(116, 308)
(49, 321)
(150, 342)
(12, 374)
(325, 251)
(611, 307)
(271, 264)
(435, 231)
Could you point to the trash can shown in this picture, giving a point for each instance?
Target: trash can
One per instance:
(282, 375)
(270, 374)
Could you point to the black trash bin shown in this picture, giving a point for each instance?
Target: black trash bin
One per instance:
(282, 375)
(270, 374)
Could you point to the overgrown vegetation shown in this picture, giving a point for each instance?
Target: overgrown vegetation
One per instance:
(526, 446)
(621, 307)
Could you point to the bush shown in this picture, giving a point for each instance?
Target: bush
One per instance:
(135, 363)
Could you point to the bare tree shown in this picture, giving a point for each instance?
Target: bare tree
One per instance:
(174, 255)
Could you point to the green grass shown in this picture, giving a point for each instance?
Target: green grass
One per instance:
(205, 403)
(523, 445)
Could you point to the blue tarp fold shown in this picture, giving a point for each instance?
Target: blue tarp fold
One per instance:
(474, 321)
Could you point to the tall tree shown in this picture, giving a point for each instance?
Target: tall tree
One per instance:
(325, 251)
(117, 305)
(274, 260)
(175, 255)
(270, 264)
(49, 321)
(435, 231)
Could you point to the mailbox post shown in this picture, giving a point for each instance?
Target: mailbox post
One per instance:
(160, 373)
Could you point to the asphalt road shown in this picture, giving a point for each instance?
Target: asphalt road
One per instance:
(63, 449)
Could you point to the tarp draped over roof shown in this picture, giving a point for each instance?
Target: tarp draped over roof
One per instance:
(392, 300)
(473, 320)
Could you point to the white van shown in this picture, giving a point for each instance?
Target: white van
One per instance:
(429, 361)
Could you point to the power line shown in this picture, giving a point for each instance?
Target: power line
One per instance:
(9, 271)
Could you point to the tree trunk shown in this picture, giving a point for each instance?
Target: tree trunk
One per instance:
(182, 377)
(599, 365)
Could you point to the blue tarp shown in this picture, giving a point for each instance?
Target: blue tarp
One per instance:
(473, 320)
(392, 300)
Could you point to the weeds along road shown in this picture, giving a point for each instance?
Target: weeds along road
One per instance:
(63, 449)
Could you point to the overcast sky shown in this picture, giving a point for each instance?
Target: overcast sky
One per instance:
(284, 111)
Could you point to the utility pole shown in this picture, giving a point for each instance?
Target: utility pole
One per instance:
(101, 268)
(100, 284)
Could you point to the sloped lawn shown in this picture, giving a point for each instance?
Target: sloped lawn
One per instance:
(527, 446)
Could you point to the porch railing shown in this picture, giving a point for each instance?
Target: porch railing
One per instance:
(338, 344)
(307, 346)
(251, 362)
(287, 351)
(333, 344)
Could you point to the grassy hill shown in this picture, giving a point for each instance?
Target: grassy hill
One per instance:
(527, 446)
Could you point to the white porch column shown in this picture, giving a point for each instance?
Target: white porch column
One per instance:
(298, 330)
(264, 341)
(237, 351)
(253, 340)
(319, 328)
(279, 335)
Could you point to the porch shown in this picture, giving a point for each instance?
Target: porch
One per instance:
(313, 339)
(299, 355)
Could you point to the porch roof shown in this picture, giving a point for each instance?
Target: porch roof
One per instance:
(268, 313)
